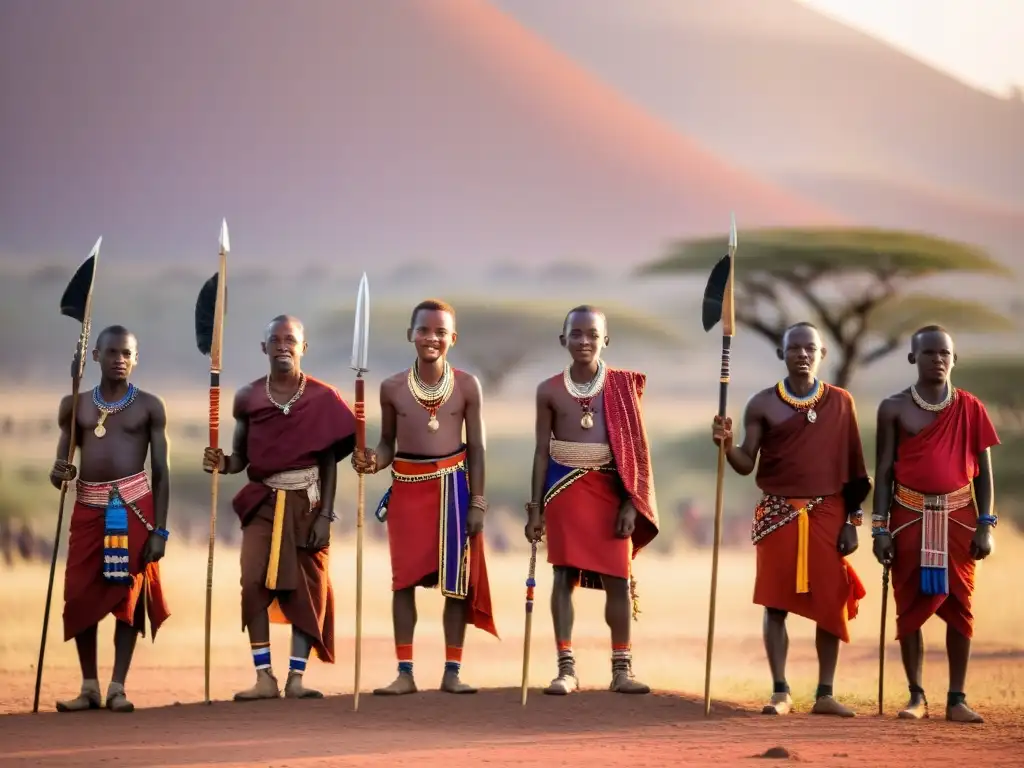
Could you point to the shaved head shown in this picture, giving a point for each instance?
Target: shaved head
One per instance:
(294, 322)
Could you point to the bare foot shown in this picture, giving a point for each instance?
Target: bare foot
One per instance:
(88, 698)
(961, 713)
(402, 685)
(779, 704)
(266, 688)
(826, 705)
(624, 682)
(451, 683)
(117, 701)
(294, 689)
(916, 709)
(563, 685)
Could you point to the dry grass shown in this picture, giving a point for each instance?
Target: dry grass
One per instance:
(669, 639)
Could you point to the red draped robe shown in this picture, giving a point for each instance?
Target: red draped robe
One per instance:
(320, 421)
(800, 461)
(940, 459)
(580, 518)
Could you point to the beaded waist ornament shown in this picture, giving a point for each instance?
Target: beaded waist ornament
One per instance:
(934, 510)
(771, 514)
(116, 499)
(805, 404)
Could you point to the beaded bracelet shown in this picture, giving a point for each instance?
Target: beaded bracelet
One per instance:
(479, 502)
(855, 518)
(533, 506)
(879, 531)
(163, 533)
(330, 515)
(989, 520)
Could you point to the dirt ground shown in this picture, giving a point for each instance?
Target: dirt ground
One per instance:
(594, 728)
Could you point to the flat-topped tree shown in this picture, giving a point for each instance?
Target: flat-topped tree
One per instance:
(854, 283)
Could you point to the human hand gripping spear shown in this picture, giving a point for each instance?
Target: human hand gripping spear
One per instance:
(718, 305)
(210, 309)
(360, 350)
(75, 303)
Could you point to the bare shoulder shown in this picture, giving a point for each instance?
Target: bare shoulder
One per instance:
(548, 387)
(468, 383)
(153, 403)
(890, 406)
(759, 400)
(394, 380)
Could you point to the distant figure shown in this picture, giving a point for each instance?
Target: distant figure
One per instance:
(291, 430)
(7, 542)
(26, 543)
(593, 492)
(118, 526)
(934, 513)
(811, 472)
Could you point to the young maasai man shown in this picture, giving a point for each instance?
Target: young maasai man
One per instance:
(593, 490)
(934, 512)
(290, 433)
(811, 473)
(119, 523)
(435, 507)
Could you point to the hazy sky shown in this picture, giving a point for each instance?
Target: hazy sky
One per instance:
(975, 40)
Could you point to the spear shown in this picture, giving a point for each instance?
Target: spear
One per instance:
(531, 584)
(76, 303)
(718, 305)
(210, 309)
(360, 350)
(881, 641)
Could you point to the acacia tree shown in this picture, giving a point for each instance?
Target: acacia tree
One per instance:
(854, 282)
(498, 338)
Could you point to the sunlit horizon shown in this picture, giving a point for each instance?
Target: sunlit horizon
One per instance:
(977, 42)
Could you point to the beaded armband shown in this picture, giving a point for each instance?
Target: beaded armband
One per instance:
(989, 520)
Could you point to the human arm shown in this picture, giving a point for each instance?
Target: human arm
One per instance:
(742, 458)
(62, 470)
(476, 448)
(885, 462)
(984, 496)
(320, 533)
(239, 458)
(372, 461)
(160, 468)
(541, 456)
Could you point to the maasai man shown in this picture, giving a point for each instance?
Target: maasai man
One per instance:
(593, 490)
(934, 512)
(812, 477)
(291, 431)
(435, 507)
(119, 523)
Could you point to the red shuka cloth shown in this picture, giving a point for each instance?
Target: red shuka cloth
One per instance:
(88, 597)
(941, 458)
(320, 421)
(799, 461)
(580, 526)
(627, 438)
(414, 539)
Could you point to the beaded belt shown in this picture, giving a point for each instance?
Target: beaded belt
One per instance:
(934, 510)
(98, 494)
(305, 479)
(581, 455)
(113, 497)
(421, 470)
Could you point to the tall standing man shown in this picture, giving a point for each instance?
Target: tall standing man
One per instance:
(593, 490)
(119, 523)
(291, 430)
(803, 437)
(436, 505)
(934, 512)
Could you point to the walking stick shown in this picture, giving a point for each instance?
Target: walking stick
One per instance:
(75, 303)
(881, 640)
(360, 349)
(718, 305)
(531, 583)
(210, 310)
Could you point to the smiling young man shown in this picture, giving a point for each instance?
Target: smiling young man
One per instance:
(934, 512)
(803, 437)
(291, 430)
(593, 491)
(118, 526)
(436, 505)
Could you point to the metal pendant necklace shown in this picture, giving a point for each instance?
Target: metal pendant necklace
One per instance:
(106, 408)
(584, 394)
(431, 397)
(287, 407)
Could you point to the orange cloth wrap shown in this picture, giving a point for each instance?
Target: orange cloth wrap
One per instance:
(940, 459)
(801, 461)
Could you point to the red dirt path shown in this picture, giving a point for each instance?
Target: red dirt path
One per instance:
(592, 729)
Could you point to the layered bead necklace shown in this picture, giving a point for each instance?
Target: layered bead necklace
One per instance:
(287, 407)
(924, 405)
(432, 396)
(807, 402)
(106, 408)
(584, 394)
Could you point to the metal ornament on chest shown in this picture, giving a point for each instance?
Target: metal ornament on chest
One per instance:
(106, 408)
(584, 394)
(431, 397)
(806, 403)
(287, 407)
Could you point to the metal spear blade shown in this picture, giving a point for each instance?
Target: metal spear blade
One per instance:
(225, 241)
(96, 248)
(361, 330)
(732, 235)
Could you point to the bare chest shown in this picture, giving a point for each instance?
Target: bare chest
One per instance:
(132, 422)
(570, 416)
(412, 423)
